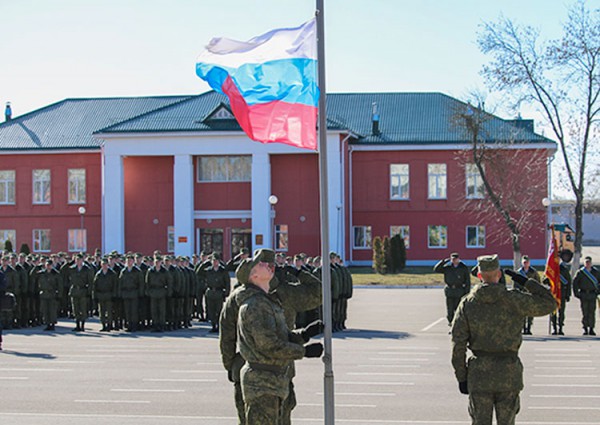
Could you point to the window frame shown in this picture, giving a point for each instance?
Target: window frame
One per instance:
(478, 190)
(402, 233)
(228, 164)
(477, 236)
(4, 237)
(76, 238)
(437, 178)
(170, 238)
(78, 190)
(439, 226)
(34, 183)
(8, 183)
(400, 177)
(282, 233)
(367, 235)
(38, 241)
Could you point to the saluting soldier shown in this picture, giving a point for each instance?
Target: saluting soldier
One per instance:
(529, 272)
(49, 286)
(81, 280)
(218, 286)
(586, 287)
(130, 287)
(104, 290)
(457, 280)
(157, 288)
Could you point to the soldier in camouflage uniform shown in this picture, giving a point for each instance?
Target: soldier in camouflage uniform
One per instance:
(297, 290)
(200, 268)
(104, 290)
(81, 280)
(265, 342)
(49, 285)
(157, 289)
(586, 287)
(457, 280)
(13, 285)
(488, 322)
(218, 287)
(130, 287)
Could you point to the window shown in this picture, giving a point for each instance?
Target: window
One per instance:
(41, 240)
(77, 240)
(437, 236)
(475, 189)
(281, 237)
(436, 176)
(399, 181)
(211, 240)
(225, 168)
(41, 186)
(8, 235)
(77, 186)
(362, 237)
(403, 231)
(171, 239)
(7, 187)
(475, 236)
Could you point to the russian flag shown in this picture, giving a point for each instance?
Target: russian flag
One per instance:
(271, 83)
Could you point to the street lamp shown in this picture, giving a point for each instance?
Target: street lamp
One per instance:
(273, 201)
(81, 211)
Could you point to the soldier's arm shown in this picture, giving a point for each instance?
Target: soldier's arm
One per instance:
(460, 338)
(228, 332)
(576, 283)
(439, 267)
(308, 294)
(536, 301)
(227, 283)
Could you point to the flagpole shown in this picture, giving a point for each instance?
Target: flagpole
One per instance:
(324, 214)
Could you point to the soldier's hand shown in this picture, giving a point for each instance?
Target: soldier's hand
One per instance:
(313, 350)
(313, 329)
(463, 388)
(516, 277)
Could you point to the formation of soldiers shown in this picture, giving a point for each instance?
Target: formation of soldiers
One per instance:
(134, 292)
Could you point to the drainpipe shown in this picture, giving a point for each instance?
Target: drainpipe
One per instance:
(341, 209)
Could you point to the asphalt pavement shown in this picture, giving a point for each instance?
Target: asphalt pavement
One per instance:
(392, 366)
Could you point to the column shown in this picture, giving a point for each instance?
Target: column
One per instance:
(335, 192)
(261, 209)
(183, 204)
(113, 204)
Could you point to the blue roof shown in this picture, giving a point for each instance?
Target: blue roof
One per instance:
(70, 123)
(405, 118)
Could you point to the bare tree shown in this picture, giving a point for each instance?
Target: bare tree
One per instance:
(505, 170)
(561, 78)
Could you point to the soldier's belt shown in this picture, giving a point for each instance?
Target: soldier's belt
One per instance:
(268, 367)
(480, 353)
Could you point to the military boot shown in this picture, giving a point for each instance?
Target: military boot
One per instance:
(554, 331)
(82, 326)
(76, 328)
(0, 342)
(560, 330)
(585, 331)
(592, 332)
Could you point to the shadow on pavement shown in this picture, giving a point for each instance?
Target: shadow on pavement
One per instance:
(562, 338)
(29, 355)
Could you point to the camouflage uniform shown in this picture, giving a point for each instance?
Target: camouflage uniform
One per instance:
(458, 284)
(558, 317)
(488, 321)
(131, 285)
(80, 288)
(49, 287)
(104, 290)
(531, 273)
(218, 284)
(157, 289)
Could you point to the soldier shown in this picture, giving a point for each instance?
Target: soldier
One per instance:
(347, 290)
(141, 263)
(586, 288)
(488, 321)
(201, 266)
(218, 287)
(131, 284)
(190, 291)
(529, 272)
(104, 290)
(457, 280)
(157, 289)
(81, 280)
(23, 269)
(235, 261)
(13, 285)
(558, 317)
(49, 286)
(266, 342)
(2, 292)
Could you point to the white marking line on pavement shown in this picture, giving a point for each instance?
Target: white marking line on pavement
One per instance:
(209, 363)
(565, 376)
(33, 369)
(379, 359)
(554, 350)
(364, 394)
(114, 401)
(110, 350)
(144, 390)
(561, 361)
(426, 328)
(564, 396)
(198, 371)
(390, 365)
(374, 383)
(411, 347)
(61, 362)
(568, 385)
(400, 353)
(13, 378)
(178, 380)
(562, 408)
(388, 374)
(338, 405)
(562, 355)
(102, 356)
(565, 368)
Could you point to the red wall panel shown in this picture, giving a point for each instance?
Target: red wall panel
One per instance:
(148, 198)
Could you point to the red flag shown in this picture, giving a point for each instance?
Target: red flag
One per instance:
(552, 271)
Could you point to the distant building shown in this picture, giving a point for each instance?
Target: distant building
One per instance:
(177, 174)
(563, 211)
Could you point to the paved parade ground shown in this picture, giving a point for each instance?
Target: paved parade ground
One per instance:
(391, 367)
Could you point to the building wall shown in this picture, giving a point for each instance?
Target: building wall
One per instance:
(148, 186)
(295, 182)
(372, 206)
(59, 215)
